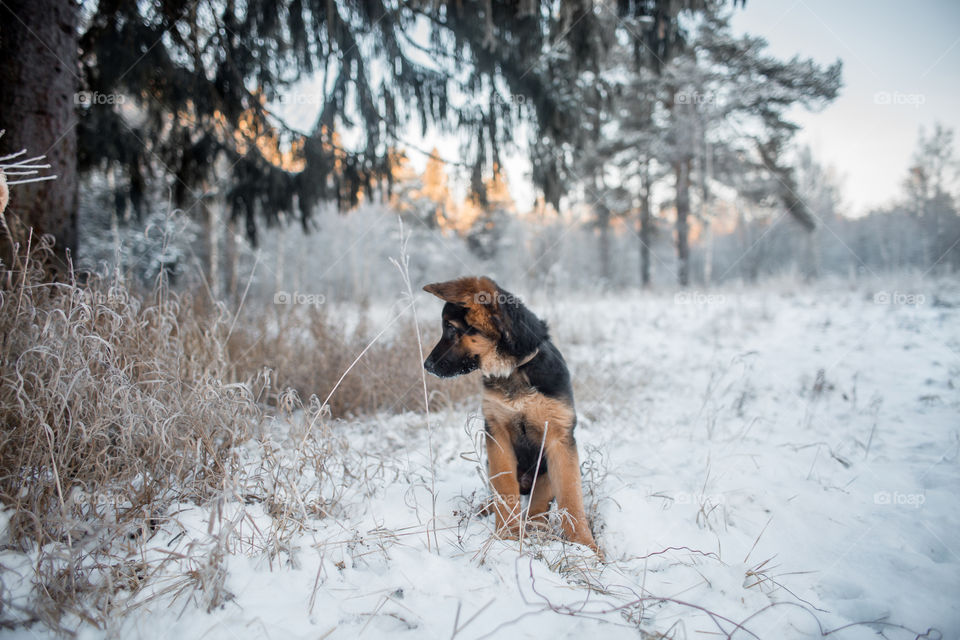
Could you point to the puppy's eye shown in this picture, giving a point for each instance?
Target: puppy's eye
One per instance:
(450, 330)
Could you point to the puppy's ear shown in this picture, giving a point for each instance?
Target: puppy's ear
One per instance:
(465, 291)
(480, 295)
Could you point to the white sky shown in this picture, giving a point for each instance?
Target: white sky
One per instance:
(907, 51)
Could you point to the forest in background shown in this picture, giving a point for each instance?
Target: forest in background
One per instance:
(345, 256)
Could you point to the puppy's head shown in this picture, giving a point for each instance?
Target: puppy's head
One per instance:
(484, 327)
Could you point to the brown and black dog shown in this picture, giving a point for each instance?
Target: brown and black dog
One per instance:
(527, 401)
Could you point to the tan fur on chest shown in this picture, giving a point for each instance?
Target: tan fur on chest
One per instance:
(532, 408)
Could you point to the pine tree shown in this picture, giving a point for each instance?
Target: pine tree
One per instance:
(631, 145)
(718, 113)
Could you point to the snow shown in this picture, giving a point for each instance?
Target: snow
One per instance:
(785, 462)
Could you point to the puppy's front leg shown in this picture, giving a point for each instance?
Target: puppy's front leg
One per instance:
(502, 469)
(564, 476)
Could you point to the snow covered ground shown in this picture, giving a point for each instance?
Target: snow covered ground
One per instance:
(758, 464)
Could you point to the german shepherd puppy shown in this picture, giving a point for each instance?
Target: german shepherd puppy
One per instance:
(527, 401)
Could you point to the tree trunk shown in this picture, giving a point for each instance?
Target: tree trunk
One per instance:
(939, 235)
(603, 220)
(38, 90)
(682, 171)
(645, 227)
(812, 256)
(707, 251)
(706, 173)
(213, 231)
(233, 260)
(280, 273)
(603, 224)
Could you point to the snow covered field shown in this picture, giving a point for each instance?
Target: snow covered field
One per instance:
(759, 464)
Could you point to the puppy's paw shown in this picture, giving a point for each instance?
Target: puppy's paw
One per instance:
(597, 550)
(586, 539)
(537, 524)
(508, 531)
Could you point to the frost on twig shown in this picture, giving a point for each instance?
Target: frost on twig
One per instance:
(15, 169)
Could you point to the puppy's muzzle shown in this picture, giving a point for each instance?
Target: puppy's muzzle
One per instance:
(430, 365)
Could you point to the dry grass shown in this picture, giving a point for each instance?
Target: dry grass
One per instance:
(104, 390)
(112, 406)
(308, 350)
(115, 406)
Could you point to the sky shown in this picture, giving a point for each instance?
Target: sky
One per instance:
(901, 66)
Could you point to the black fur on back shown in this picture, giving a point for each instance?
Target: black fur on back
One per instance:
(522, 331)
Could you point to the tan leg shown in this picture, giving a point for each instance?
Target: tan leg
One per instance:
(564, 464)
(540, 498)
(502, 468)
